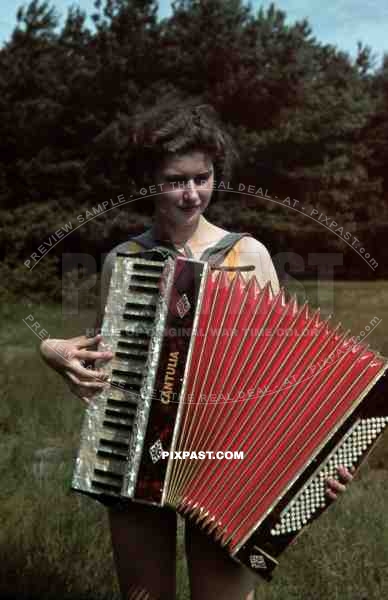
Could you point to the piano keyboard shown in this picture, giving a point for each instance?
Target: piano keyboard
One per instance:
(112, 435)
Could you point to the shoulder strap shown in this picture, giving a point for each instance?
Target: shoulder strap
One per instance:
(216, 254)
(145, 244)
(133, 247)
(146, 247)
(145, 239)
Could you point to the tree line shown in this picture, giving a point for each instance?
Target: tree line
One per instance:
(310, 124)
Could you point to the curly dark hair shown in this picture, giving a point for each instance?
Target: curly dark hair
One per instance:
(175, 125)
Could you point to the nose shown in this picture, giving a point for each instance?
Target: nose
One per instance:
(190, 192)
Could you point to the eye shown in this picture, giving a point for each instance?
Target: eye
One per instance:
(202, 178)
(183, 180)
(176, 179)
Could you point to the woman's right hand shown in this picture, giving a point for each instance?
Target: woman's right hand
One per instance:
(68, 357)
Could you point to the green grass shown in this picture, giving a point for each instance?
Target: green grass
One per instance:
(55, 543)
(352, 303)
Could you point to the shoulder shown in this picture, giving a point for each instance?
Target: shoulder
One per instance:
(253, 252)
(248, 245)
(251, 249)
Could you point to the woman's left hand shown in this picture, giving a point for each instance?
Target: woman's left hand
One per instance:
(335, 487)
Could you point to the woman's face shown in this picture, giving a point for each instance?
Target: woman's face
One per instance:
(187, 185)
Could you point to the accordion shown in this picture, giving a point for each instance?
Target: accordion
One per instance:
(227, 403)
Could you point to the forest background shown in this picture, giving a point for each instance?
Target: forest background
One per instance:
(310, 122)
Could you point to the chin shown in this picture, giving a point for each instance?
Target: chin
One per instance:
(190, 217)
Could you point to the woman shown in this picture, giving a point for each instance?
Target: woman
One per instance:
(182, 148)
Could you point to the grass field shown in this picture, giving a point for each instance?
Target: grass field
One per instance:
(54, 543)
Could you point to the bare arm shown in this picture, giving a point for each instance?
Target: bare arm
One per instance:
(253, 252)
(73, 358)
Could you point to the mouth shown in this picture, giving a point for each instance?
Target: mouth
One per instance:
(190, 208)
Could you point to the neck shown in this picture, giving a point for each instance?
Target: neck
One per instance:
(178, 236)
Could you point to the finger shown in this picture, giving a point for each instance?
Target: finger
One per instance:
(332, 495)
(71, 376)
(335, 485)
(76, 368)
(94, 374)
(344, 474)
(84, 342)
(93, 355)
(87, 385)
(96, 385)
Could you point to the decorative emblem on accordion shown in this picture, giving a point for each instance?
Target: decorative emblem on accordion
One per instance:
(156, 451)
(183, 306)
(202, 363)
